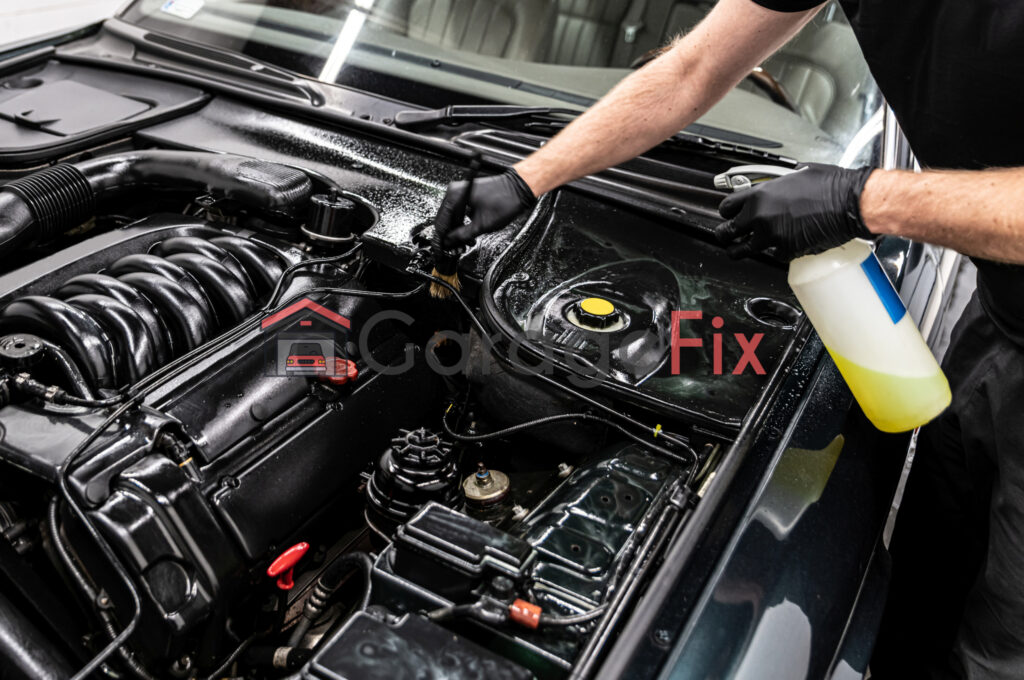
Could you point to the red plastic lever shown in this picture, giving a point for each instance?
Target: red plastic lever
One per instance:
(283, 568)
(344, 371)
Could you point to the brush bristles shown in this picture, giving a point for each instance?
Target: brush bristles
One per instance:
(441, 292)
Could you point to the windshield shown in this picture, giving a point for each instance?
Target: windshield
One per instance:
(813, 100)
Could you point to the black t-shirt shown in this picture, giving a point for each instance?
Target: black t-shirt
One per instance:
(953, 71)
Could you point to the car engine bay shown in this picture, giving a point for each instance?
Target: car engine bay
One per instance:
(239, 438)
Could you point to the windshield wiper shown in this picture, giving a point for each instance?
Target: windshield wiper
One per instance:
(417, 121)
(188, 54)
(695, 136)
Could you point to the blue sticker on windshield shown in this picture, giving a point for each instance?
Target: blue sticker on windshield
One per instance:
(183, 9)
(883, 286)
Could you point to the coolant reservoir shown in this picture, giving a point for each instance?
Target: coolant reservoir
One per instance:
(874, 342)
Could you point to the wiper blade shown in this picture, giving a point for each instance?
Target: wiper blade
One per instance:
(458, 114)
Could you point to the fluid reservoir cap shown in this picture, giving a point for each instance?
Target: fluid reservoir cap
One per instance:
(597, 306)
(598, 314)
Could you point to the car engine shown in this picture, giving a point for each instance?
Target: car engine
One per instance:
(238, 441)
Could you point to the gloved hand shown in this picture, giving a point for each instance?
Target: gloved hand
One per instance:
(491, 203)
(808, 211)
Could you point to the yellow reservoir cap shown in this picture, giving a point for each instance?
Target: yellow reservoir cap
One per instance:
(597, 306)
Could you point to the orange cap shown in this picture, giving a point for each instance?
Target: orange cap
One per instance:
(525, 613)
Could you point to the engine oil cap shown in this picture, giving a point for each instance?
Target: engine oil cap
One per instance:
(596, 314)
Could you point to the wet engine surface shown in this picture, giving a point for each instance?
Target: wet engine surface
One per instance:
(229, 425)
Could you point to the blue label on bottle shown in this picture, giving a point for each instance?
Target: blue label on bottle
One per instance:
(884, 288)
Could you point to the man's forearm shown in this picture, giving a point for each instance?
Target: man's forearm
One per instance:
(977, 213)
(644, 109)
(665, 96)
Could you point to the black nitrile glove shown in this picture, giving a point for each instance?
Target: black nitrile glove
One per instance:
(490, 202)
(808, 211)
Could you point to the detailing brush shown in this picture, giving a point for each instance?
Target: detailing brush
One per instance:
(446, 268)
(446, 262)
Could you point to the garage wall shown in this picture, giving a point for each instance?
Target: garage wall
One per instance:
(21, 19)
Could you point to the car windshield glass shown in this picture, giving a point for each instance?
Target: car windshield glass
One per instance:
(813, 100)
(308, 348)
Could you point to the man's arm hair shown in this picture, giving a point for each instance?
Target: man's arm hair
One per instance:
(978, 212)
(665, 96)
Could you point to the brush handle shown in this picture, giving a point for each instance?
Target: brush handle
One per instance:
(451, 259)
(474, 168)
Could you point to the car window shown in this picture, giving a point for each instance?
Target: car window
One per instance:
(306, 349)
(813, 100)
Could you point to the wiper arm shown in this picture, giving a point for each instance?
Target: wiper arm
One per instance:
(537, 118)
(458, 114)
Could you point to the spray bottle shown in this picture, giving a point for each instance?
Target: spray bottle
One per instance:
(864, 325)
(871, 337)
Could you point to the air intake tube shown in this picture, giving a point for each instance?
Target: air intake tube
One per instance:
(43, 205)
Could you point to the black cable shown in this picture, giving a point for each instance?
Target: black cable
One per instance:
(56, 395)
(671, 455)
(62, 397)
(81, 582)
(219, 673)
(497, 434)
(328, 583)
(92, 595)
(286, 274)
(480, 612)
(695, 459)
(477, 611)
(572, 619)
(136, 602)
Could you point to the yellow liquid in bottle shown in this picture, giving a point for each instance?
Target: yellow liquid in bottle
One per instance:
(895, 403)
